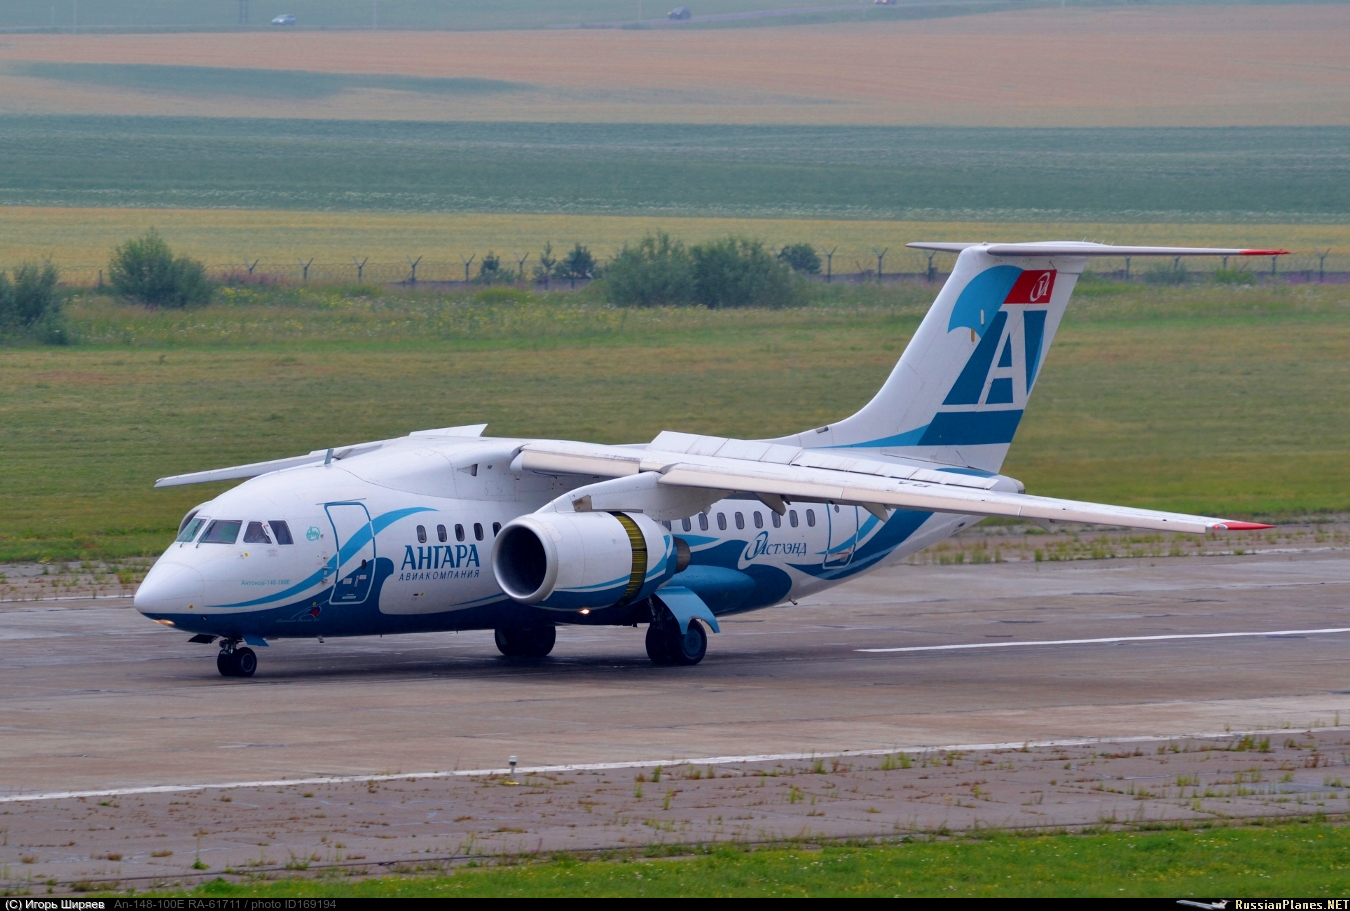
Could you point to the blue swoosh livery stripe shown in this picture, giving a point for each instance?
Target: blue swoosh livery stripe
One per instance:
(357, 541)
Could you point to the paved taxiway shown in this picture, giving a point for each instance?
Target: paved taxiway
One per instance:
(97, 698)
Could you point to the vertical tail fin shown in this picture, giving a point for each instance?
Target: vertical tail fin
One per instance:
(959, 390)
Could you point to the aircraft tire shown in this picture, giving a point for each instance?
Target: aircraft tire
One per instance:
(690, 648)
(658, 645)
(507, 641)
(537, 642)
(245, 662)
(519, 642)
(225, 664)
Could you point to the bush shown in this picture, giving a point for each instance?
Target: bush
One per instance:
(578, 263)
(490, 271)
(801, 258)
(1232, 277)
(1165, 274)
(736, 272)
(658, 272)
(146, 270)
(733, 272)
(30, 305)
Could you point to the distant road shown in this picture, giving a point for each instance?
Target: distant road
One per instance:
(663, 22)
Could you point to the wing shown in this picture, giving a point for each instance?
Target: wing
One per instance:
(254, 469)
(776, 473)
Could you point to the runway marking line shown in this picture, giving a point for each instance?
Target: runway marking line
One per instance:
(640, 764)
(1110, 639)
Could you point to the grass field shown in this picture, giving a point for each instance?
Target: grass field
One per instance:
(1105, 65)
(1215, 400)
(1238, 175)
(1303, 859)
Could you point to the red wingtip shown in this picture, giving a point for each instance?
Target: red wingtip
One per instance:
(1242, 526)
(1264, 253)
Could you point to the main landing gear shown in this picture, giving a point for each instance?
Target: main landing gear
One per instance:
(665, 645)
(235, 662)
(526, 642)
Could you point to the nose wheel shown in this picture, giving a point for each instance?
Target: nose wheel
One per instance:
(236, 662)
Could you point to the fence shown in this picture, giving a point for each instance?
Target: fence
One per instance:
(895, 266)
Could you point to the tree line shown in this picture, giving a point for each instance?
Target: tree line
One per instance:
(657, 271)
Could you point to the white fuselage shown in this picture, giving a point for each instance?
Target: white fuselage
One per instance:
(400, 540)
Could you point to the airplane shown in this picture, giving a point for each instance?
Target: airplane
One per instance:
(448, 529)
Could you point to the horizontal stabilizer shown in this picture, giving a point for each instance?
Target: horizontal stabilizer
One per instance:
(1082, 248)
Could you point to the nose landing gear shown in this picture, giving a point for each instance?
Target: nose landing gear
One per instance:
(235, 662)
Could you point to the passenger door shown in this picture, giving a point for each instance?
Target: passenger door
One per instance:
(355, 547)
(843, 524)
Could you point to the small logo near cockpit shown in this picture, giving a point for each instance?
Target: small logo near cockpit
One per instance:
(313, 533)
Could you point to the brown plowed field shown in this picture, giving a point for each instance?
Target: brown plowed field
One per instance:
(1164, 66)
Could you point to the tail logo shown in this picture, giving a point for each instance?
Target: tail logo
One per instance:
(985, 403)
(1042, 289)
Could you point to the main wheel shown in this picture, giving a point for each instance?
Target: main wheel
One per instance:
(245, 662)
(225, 664)
(658, 644)
(537, 642)
(533, 642)
(690, 648)
(507, 641)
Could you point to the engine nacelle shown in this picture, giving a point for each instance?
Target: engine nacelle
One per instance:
(570, 561)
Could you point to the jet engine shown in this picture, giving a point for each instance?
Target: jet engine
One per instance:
(571, 561)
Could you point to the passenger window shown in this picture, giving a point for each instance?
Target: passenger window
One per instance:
(441, 534)
(811, 518)
(222, 531)
(759, 520)
(281, 531)
(477, 531)
(190, 530)
(776, 519)
(740, 520)
(667, 525)
(722, 521)
(703, 521)
(836, 507)
(255, 534)
(792, 517)
(459, 532)
(496, 529)
(421, 535)
(686, 525)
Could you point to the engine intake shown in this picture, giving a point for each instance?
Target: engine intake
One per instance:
(570, 561)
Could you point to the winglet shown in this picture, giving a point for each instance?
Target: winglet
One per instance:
(1230, 525)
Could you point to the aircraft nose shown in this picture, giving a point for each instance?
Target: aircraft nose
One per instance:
(170, 587)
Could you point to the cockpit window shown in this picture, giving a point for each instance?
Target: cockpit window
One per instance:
(256, 534)
(281, 530)
(222, 531)
(190, 530)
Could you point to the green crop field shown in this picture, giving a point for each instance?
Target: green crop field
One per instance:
(1227, 401)
(1303, 859)
(1284, 174)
